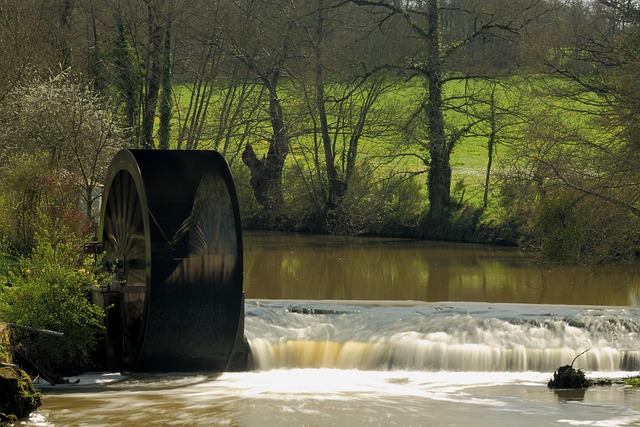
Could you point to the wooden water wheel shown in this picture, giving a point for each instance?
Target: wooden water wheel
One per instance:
(170, 228)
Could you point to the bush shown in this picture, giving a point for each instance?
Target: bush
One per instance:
(386, 207)
(562, 229)
(50, 289)
(38, 197)
(45, 278)
(584, 230)
(249, 207)
(305, 208)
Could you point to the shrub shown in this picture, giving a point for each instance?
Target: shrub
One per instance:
(584, 230)
(562, 229)
(38, 197)
(382, 208)
(249, 207)
(50, 289)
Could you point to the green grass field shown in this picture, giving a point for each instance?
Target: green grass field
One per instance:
(383, 136)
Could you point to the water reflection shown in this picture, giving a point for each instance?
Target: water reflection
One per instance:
(291, 266)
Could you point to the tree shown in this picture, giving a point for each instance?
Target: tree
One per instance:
(263, 36)
(132, 49)
(68, 122)
(164, 131)
(336, 185)
(577, 163)
(158, 19)
(126, 79)
(430, 62)
(24, 47)
(341, 101)
(194, 100)
(497, 110)
(218, 101)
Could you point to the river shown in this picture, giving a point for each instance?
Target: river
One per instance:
(366, 331)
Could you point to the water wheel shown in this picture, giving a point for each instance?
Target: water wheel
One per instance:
(170, 228)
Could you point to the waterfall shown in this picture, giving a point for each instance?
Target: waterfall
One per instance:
(432, 337)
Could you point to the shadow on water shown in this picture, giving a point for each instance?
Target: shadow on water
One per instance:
(291, 266)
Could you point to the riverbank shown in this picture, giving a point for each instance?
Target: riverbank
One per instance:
(18, 397)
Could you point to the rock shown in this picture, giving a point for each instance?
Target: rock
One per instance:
(567, 377)
(18, 398)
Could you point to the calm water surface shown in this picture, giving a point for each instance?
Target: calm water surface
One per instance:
(281, 266)
(360, 332)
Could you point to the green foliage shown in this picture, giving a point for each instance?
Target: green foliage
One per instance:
(38, 197)
(5, 214)
(126, 76)
(49, 289)
(249, 207)
(632, 381)
(562, 229)
(386, 207)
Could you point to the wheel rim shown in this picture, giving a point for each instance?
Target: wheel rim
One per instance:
(125, 241)
(170, 223)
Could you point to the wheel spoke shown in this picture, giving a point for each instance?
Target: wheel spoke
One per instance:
(126, 242)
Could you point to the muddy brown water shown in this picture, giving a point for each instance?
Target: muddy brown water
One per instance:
(281, 266)
(382, 332)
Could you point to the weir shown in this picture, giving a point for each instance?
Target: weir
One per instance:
(437, 337)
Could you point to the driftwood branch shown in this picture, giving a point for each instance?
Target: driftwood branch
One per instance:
(574, 359)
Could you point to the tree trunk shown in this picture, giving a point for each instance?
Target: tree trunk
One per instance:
(164, 127)
(336, 185)
(154, 71)
(66, 13)
(439, 177)
(127, 80)
(266, 174)
(490, 146)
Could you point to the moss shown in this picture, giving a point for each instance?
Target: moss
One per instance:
(633, 381)
(18, 397)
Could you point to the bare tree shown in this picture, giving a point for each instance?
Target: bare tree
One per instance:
(24, 47)
(430, 62)
(262, 35)
(342, 104)
(577, 163)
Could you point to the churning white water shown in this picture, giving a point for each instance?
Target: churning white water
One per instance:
(335, 397)
(451, 336)
(385, 364)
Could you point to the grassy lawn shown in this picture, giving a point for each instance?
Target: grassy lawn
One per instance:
(469, 157)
